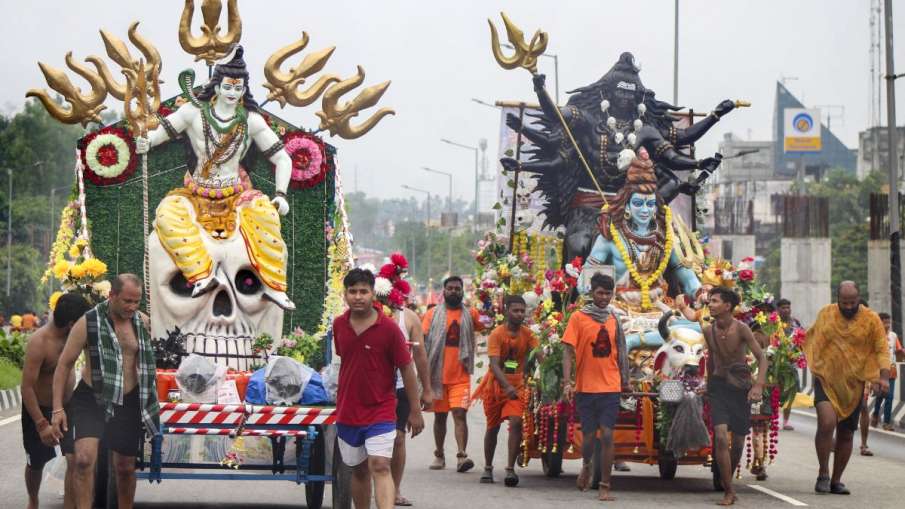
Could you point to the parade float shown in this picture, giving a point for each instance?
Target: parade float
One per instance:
(234, 220)
(616, 171)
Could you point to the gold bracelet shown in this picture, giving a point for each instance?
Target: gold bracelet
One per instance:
(59, 411)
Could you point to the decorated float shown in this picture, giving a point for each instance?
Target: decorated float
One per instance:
(234, 220)
(616, 171)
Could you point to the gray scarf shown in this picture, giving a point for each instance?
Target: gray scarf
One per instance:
(436, 341)
(600, 315)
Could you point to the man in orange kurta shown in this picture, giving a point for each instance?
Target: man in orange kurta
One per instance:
(845, 348)
(449, 335)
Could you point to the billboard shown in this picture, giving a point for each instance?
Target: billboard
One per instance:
(529, 205)
(801, 130)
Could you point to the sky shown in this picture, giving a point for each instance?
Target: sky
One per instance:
(437, 55)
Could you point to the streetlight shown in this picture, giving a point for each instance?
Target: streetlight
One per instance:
(475, 208)
(427, 225)
(9, 234)
(555, 67)
(449, 216)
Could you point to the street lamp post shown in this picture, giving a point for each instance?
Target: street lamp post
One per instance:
(895, 256)
(9, 234)
(475, 208)
(555, 68)
(449, 216)
(427, 225)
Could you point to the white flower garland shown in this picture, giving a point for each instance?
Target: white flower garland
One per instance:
(122, 155)
(382, 286)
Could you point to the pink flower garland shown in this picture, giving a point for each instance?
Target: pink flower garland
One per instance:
(309, 159)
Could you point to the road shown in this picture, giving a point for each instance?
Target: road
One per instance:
(875, 482)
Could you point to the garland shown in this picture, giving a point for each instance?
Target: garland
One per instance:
(309, 159)
(108, 156)
(645, 283)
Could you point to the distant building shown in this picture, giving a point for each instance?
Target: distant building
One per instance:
(873, 150)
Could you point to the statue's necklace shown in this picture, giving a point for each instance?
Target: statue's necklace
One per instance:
(241, 117)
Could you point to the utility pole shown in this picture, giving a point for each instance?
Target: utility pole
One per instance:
(477, 177)
(449, 217)
(9, 234)
(675, 60)
(895, 256)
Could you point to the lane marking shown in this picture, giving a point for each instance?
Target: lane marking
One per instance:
(10, 420)
(784, 498)
(872, 430)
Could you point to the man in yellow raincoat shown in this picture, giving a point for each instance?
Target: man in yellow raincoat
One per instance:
(845, 348)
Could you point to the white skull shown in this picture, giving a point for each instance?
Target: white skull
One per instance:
(684, 349)
(221, 324)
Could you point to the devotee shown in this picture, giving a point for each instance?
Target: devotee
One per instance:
(372, 348)
(729, 386)
(503, 389)
(846, 348)
(116, 398)
(41, 355)
(784, 309)
(449, 330)
(895, 347)
(595, 345)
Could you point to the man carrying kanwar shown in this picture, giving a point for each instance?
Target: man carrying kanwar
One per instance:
(845, 348)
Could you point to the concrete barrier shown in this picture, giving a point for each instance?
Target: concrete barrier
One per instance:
(10, 398)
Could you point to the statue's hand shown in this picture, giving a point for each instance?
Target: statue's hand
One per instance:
(513, 122)
(710, 164)
(724, 108)
(281, 205)
(142, 145)
(689, 188)
(509, 164)
(539, 80)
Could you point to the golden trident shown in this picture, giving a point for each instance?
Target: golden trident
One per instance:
(119, 53)
(210, 46)
(525, 56)
(83, 108)
(337, 118)
(284, 86)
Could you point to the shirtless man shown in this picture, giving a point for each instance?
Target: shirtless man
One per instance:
(41, 356)
(729, 384)
(112, 403)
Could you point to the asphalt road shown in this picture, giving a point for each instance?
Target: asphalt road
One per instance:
(876, 482)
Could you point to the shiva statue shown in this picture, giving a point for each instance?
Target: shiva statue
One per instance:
(606, 117)
(217, 197)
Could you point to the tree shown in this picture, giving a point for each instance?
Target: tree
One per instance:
(25, 289)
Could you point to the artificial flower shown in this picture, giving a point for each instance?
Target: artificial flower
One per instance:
(388, 271)
(74, 251)
(403, 286)
(760, 318)
(52, 302)
(746, 275)
(382, 286)
(102, 288)
(94, 267)
(61, 269)
(396, 298)
(77, 271)
(774, 317)
(399, 260)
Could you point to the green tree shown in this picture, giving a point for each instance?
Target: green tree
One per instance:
(27, 265)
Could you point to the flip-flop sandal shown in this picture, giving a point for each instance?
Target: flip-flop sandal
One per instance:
(822, 486)
(865, 451)
(403, 502)
(487, 476)
(839, 489)
(465, 463)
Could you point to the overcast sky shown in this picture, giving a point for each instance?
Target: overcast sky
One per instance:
(437, 55)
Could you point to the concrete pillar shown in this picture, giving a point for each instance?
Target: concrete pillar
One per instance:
(878, 275)
(806, 264)
(731, 247)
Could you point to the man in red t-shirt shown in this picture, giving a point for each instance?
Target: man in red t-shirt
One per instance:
(449, 335)
(372, 348)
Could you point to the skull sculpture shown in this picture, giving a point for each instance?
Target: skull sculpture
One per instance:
(682, 350)
(221, 324)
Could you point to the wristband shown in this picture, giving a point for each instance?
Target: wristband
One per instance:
(58, 411)
(281, 194)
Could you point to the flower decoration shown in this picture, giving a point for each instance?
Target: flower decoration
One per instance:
(52, 302)
(382, 286)
(394, 290)
(309, 159)
(746, 275)
(108, 156)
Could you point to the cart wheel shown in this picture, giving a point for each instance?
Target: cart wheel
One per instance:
(668, 464)
(342, 481)
(314, 491)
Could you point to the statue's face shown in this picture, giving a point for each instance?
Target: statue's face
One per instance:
(642, 208)
(624, 97)
(231, 90)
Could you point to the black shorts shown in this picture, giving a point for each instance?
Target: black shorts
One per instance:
(36, 453)
(849, 422)
(596, 409)
(403, 409)
(87, 419)
(729, 405)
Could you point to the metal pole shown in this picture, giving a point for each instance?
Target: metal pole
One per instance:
(9, 234)
(518, 157)
(449, 237)
(429, 244)
(53, 192)
(675, 59)
(895, 257)
(476, 195)
(556, 75)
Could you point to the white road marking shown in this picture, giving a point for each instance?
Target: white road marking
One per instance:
(9, 420)
(872, 430)
(778, 495)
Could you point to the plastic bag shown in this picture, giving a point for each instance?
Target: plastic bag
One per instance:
(330, 376)
(198, 379)
(688, 431)
(285, 380)
(55, 474)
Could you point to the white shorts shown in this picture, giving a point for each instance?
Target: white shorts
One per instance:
(356, 443)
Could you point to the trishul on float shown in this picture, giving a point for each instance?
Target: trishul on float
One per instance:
(196, 228)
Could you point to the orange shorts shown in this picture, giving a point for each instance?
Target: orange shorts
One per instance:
(454, 396)
(500, 408)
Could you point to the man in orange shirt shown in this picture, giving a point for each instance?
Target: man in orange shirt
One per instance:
(595, 343)
(449, 333)
(503, 392)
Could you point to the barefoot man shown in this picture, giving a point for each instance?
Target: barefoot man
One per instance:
(729, 386)
(41, 356)
(846, 348)
(595, 344)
